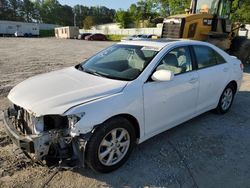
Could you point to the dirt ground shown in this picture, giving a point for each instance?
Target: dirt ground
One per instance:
(208, 151)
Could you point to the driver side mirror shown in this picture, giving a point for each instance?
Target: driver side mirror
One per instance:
(162, 75)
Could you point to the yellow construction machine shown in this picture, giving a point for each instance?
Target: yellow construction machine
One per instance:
(209, 21)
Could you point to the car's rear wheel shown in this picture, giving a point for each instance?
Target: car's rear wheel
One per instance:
(111, 145)
(226, 99)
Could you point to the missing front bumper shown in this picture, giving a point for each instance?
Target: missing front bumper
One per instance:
(23, 142)
(36, 146)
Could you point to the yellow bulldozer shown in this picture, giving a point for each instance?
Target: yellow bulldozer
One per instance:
(209, 20)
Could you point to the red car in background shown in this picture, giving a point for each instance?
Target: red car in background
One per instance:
(97, 36)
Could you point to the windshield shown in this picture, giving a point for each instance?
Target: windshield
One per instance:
(205, 6)
(121, 62)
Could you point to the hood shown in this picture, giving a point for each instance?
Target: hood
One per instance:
(56, 92)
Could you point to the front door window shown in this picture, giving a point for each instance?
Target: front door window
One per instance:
(178, 61)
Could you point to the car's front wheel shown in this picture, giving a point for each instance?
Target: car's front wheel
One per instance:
(226, 99)
(110, 145)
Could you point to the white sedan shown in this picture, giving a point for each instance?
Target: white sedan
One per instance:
(97, 111)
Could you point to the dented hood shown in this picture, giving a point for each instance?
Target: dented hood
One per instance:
(56, 92)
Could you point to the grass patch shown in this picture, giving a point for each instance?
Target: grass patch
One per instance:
(115, 37)
(47, 33)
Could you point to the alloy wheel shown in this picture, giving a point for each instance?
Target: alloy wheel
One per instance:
(227, 99)
(114, 146)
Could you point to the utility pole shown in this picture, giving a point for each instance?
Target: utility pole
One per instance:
(74, 19)
(74, 11)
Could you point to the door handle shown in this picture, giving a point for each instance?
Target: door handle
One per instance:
(193, 80)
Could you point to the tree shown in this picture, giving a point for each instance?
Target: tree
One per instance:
(28, 10)
(67, 15)
(134, 14)
(172, 7)
(123, 18)
(4, 9)
(163, 7)
(51, 11)
(100, 14)
(88, 22)
(241, 11)
(15, 10)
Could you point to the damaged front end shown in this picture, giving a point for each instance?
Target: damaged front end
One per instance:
(45, 138)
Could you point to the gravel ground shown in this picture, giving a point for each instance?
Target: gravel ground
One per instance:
(207, 151)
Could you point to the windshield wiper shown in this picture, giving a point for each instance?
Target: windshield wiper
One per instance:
(101, 74)
(79, 67)
(94, 72)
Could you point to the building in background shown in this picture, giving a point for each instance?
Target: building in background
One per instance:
(67, 32)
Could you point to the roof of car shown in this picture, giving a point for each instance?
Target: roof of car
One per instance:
(158, 43)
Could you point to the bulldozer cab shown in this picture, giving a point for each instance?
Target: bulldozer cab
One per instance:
(219, 8)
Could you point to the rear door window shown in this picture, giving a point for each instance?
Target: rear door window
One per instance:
(219, 58)
(207, 57)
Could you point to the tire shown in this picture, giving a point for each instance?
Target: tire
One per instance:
(97, 159)
(226, 100)
(240, 48)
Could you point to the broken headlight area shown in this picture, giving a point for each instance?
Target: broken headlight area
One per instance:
(45, 138)
(28, 124)
(55, 122)
(73, 119)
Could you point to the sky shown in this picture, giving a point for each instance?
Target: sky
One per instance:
(115, 4)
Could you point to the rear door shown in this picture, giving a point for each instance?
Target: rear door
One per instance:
(213, 73)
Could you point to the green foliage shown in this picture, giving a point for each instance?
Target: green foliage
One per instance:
(100, 15)
(27, 9)
(172, 7)
(144, 11)
(123, 18)
(241, 11)
(88, 22)
(51, 11)
(47, 33)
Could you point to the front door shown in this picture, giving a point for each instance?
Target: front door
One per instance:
(169, 103)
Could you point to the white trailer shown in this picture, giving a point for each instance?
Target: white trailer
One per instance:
(12, 28)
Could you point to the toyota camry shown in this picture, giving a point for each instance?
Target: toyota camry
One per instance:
(97, 111)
